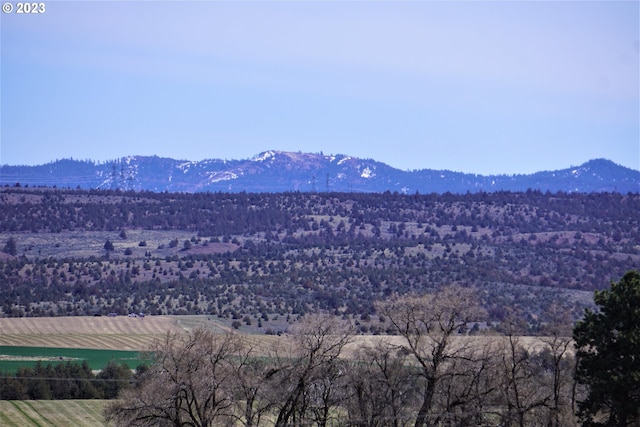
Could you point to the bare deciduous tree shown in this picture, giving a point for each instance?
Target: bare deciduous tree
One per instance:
(523, 395)
(558, 351)
(307, 380)
(468, 388)
(189, 384)
(382, 393)
(432, 374)
(251, 389)
(428, 324)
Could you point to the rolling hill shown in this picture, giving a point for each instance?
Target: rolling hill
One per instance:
(277, 171)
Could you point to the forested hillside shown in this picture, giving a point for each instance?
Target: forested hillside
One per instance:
(256, 257)
(279, 171)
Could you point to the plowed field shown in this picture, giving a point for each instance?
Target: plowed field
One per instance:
(56, 413)
(118, 333)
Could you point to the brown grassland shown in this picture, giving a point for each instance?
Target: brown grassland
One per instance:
(108, 333)
(127, 333)
(56, 413)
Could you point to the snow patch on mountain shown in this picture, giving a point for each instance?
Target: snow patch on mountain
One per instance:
(221, 176)
(264, 156)
(186, 166)
(367, 173)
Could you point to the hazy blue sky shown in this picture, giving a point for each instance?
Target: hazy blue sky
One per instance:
(484, 87)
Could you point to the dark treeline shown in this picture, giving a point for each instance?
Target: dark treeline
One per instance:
(216, 214)
(67, 380)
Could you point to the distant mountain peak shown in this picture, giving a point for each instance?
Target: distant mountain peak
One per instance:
(600, 165)
(264, 156)
(280, 171)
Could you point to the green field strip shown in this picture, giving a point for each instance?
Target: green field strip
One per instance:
(96, 358)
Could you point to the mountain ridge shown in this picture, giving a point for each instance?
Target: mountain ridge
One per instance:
(282, 171)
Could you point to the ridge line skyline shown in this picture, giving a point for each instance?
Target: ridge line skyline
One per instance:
(320, 153)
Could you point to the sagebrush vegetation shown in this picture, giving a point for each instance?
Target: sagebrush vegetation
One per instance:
(254, 258)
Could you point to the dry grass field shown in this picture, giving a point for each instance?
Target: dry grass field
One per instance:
(56, 413)
(110, 333)
(477, 342)
(86, 243)
(128, 333)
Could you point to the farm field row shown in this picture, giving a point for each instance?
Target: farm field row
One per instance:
(25, 341)
(13, 357)
(135, 334)
(52, 413)
(110, 333)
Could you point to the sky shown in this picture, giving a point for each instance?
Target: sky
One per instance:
(487, 87)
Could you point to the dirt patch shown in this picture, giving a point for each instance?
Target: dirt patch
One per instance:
(6, 257)
(212, 248)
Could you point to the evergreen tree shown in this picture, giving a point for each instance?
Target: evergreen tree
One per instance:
(10, 247)
(608, 350)
(108, 246)
(114, 377)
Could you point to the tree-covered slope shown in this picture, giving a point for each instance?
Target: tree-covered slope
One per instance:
(262, 255)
